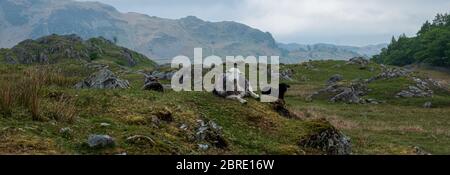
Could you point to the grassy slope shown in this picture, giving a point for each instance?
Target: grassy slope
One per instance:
(250, 129)
(390, 128)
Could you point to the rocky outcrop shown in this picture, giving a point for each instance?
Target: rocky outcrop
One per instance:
(362, 62)
(287, 74)
(422, 88)
(163, 75)
(210, 132)
(327, 139)
(103, 79)
(152, 84)
(54, 48)
(342, 93)
(428, 105)
(414, 91)
(334, 79)
(390, 73)
(128, 56)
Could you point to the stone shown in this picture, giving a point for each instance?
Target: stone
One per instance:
(328, 139)
(152, 84)
(163, 75)
(287, 74)
(101, 141)
(414, 91)
(65, 132)
(389, 73)
(203, 147)
(184, 127)
(104, 125)
(420, 151)
(428, 105)
(211, 133)
(334, 79)
(340, 93)
(103, 79)
(359, 61)
(128, 56)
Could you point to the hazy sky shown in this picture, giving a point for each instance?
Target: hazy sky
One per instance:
(350, 22)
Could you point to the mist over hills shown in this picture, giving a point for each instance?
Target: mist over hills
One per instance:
(158, 38)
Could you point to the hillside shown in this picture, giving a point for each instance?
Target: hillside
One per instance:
(45, 110)
(158, 38)
(430, 46)
(304, 52)
(383, 122)
(380, 110)
(55, 48)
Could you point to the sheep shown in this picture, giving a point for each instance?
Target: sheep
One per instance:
(241, 89)
(283, 88)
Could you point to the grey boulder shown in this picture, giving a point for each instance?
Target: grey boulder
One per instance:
(101, 141)
(103, 79)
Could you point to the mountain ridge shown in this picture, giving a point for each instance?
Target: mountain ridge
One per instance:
(158, 38)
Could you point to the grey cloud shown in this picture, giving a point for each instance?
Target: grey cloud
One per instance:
(352, 22)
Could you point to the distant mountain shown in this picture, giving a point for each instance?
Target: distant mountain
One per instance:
(158, 38)
(55, 48)
(304, 52)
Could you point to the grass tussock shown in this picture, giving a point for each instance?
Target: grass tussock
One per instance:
(6, 98)
(24, 90)
(62, 110)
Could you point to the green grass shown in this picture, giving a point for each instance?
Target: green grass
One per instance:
(393, 127)
(390, 128)
(250, 129)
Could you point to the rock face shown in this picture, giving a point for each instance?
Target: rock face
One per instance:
(328, 139)
(100, 141)
(362, 62)
(103, 79)
(152, 84)
(212, 133)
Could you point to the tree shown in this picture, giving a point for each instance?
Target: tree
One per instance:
(425, 27)
(115, 39)
(431, 45)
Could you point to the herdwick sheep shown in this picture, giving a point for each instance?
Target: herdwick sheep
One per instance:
(241, 89)
(283, 88)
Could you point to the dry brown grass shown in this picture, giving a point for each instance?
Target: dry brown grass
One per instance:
(6, 98)
(23, 89)
(62, 111)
